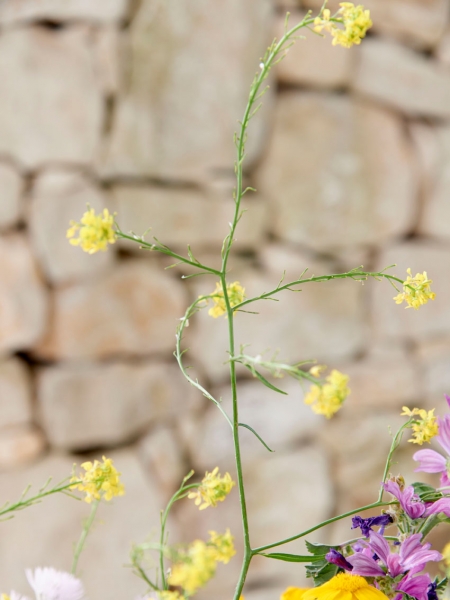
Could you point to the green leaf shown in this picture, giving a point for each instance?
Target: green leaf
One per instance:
(321, 549)
(295, 557)
(426, 492)
(321, 573)
(257, 435)
(265, 382)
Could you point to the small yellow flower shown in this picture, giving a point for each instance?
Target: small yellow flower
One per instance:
(236, 295)
(328, 398)
(195, 567)
(95, 232)
(316, 371)
(100, 480)
(4, 597)
(223, 546)
(355, 19)
(345, 587)
(213, 489)
(446, 555)
(424, 428)
(293, 593)
(416, 290)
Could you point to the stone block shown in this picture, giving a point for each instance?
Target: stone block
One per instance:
(131, 311)
(18, 11)
(162, 455)
(20, 445)
(416, 22)
(177, 217)
(402, 79)
(84, 407)
(58, 197)
(328, 177)
(23, 297)
(177, 117)
(50, 102)
(324, 321)
(393, 321)
(312, 60)
(281, 421)
(11, 188)
(15, 393)
(436, 210)
(108, 44)
(57, 524)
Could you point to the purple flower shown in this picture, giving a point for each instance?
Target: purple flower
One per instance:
(55, 585)
(432, 594)
(366, 524)
(431, 461)
(338, 559)
(412, 557)
(415, 586)
(440, 506)
(409, 501)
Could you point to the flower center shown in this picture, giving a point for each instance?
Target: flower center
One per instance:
(344, 582)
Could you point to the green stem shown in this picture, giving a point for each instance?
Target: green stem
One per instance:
(357, 275)
(165, 250)
(323, 524)
(87, 526)
(181, 493)
(395, 444)
(21, 504)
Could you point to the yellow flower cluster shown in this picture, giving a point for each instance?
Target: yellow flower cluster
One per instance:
(328, 398)
(416, 290)
(355, 19)
(4, 597)
(446, 558)
(169, 595)
(95, 232)
(100, 480)
(197, 565)
(223, 546)
(213, 489)
(342, 586)
(425, 428)
(236, 295)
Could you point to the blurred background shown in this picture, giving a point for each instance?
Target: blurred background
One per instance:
(132, 105)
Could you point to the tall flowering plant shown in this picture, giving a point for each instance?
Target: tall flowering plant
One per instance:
(389, 554)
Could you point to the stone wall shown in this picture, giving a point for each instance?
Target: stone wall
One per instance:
(132, 105)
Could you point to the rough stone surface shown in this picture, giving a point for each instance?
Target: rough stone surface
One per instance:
(178, 114)
(23, 317)
(434, 357)
(328, 178)
(177, 217)
(436, 213)
(64, 125)
(443, 50)
(161, 454)
(19, 445)
(107, 46)
(281, 421)
(57, 525)
(402, 79)
(125, 399)
(430, 321)
(11, 187)
(133, 310)
(15, 393)
(417, 22)
(313, 60)
(285, 328)
(59, 197)
(13, 11)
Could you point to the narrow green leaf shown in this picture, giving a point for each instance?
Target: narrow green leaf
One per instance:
(294, 557)
(265, 382)
(258, 436)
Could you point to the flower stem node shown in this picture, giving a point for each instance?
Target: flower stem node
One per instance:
(416, 290)
(213, 489)
(326, 399)
(355, 19)
(101, 480)
(95, 232)
(236, 295)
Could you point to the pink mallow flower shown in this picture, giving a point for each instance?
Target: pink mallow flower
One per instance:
(431, 461)
(49, 584)
(408, 499)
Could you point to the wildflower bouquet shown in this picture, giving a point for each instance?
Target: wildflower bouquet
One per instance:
(389, 554)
